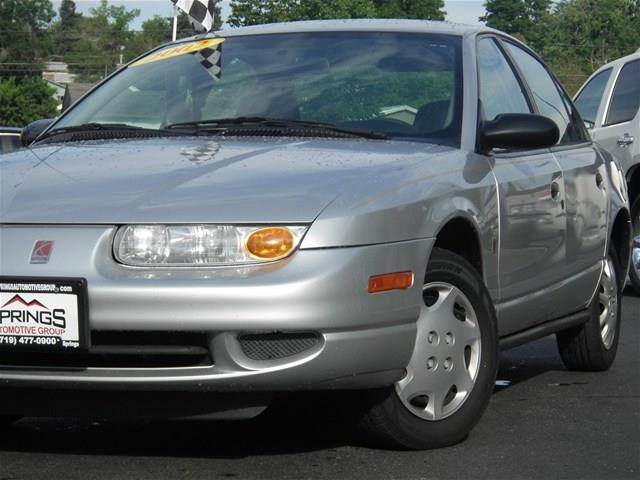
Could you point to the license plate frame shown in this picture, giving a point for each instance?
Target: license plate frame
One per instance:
(36, 327)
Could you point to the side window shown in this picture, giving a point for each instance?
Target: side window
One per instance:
(545, 93)
(588, 101)
(626, 95)
(500, 91)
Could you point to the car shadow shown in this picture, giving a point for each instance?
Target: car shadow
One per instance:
(527, 361)
(284, 431)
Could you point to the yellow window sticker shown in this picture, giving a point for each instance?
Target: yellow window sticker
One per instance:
(181, 49)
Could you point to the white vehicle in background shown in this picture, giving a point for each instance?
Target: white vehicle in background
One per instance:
(9, 139)
(609, 104)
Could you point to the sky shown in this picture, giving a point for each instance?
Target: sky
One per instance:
(459, 11)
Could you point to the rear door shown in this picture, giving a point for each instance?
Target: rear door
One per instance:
(532, 221)
(584, 173)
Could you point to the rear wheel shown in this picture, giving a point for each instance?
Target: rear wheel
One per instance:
(634, 271)
(593, 345)
(452, 370)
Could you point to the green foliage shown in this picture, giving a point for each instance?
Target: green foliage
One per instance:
(253, 12)
(25, 100)
(524, 19)
(575, 37)
(66, 29)
(420, 9)
(596, 32)
(23, 34)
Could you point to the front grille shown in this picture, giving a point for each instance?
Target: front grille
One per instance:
(274, 346)
(125, 349)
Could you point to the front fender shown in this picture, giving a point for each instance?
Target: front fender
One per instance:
(414, 202)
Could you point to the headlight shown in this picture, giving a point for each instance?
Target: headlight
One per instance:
(204, 245)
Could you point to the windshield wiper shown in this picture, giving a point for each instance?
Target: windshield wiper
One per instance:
(95, 127)
(237, 124)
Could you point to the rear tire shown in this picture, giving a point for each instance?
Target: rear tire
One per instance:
(592, 346)
(452, 371)
(634, 271)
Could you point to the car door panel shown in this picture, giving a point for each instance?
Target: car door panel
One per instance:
(532, 236)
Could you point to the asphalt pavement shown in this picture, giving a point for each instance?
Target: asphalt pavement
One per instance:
(543, 422)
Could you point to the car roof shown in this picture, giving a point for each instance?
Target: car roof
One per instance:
(351, 25)
(369, 24)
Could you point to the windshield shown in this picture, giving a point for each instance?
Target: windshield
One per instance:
(401, 85)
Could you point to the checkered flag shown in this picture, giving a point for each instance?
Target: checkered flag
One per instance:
(211, 59)
(200, 12)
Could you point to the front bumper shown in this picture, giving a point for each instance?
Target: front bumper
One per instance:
(364, 340)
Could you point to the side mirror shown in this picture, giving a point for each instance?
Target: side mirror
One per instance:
(522, 131)
(33, 130)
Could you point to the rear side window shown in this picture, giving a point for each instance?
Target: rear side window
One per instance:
(626, 95)
(545, 93)
(500, 91)
(588, 101)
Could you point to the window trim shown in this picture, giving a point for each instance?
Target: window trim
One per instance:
(605, 114)
(523, 87)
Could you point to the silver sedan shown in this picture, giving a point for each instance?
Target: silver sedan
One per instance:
(376, 206)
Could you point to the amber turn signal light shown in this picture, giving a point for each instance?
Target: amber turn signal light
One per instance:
(390, 281)
(270, 243)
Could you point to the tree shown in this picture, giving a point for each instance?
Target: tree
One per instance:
(594, 31)
(521, 18)
(253, 12)
(25, 100)
(583, 35)
(99, 38)
(67, 27)
(23, 26)
(421, 9)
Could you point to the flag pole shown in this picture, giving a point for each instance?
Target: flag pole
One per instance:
(175, 22)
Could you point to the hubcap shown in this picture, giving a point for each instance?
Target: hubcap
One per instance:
(608, 300)
(446, 358)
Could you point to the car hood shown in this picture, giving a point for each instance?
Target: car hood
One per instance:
(192, 179)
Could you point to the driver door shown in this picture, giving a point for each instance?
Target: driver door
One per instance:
(532, 239)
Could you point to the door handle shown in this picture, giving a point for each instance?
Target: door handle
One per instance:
(555, 191)
(625, 140)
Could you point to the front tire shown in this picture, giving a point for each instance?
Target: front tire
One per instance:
(452, 371)
(592, 346)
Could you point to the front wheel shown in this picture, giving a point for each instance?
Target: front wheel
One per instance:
(592, 346)
(452, 371)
